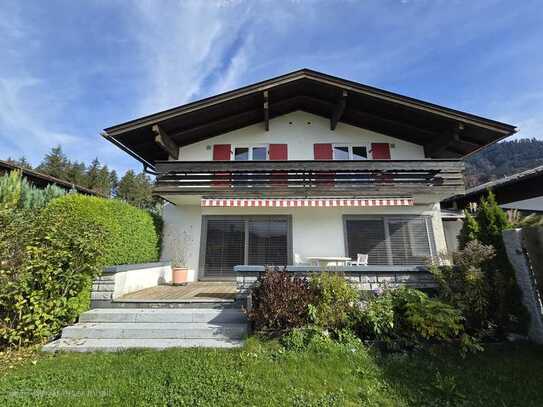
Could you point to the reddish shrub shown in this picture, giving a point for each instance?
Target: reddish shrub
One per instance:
(280, 301)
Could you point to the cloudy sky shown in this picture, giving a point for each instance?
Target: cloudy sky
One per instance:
(71, 68)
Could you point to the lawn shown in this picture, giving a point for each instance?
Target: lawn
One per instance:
(261, 374)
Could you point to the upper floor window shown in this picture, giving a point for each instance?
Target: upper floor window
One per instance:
(256, 153)
(347, 152)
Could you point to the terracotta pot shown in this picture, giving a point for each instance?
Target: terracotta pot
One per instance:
(179, 275)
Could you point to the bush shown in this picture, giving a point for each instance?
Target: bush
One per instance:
(45, 284)
(409, 318)
(465, 286)
(50, 257)
(301, 339)
(280, 301)
(505, 308)
(131, 235)
(17, 193)
(334, 300)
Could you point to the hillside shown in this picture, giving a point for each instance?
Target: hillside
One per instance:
(503, 159)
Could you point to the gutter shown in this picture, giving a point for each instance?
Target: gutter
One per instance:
(147, 166)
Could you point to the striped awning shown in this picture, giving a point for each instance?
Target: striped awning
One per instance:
(306, 203)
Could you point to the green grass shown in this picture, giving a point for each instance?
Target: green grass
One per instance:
(262, 375)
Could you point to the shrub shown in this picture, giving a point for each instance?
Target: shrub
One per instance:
(17, 193)
(280, 301)
(131, 235)
(409, 318)
(334, 300)
(45, 283)
(505, 307)
(465, 286)
(50, 257)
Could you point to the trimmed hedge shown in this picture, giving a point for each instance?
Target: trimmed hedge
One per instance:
(131, 235)
(49, 258)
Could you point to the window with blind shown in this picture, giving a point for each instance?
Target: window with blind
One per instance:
(394, 240)
(231, 241)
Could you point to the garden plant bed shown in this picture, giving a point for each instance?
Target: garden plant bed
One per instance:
(263, 374)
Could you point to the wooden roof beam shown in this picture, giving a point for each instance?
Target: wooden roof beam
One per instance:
(338, 110)
(444, 141)
(165, 142)
(266, 111)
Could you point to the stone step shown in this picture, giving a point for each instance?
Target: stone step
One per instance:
(112, 345)
(110, 303)
(174, 315)
(143, 330)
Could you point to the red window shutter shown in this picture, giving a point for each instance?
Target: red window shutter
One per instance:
(323, 151)
(221, 152)
(380, 151)
(278, 152)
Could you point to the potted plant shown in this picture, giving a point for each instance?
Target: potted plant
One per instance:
(181, 249)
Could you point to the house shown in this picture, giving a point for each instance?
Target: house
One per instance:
(522, 191)
(305, 165)
(40, 180)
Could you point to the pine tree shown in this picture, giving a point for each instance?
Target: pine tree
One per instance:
(103, 181)
(92, 174)
(55, 163)
(76, 173)
(20, 162)
(469, 231)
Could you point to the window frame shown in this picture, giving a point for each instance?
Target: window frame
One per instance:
(350, 150)
(250, 147)
(428, 222)
(245, 219)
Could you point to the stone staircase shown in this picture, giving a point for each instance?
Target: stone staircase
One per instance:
(113, 329)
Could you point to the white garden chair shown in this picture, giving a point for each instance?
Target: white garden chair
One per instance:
(361, 260)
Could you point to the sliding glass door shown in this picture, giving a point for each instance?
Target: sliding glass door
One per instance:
(390, 240)
(229, 241)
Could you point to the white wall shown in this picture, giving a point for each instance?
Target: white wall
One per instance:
(315, 231)
(300, 130)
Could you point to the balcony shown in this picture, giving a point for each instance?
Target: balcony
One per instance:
(309, 178)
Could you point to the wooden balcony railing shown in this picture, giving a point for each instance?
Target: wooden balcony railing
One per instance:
(309, 178)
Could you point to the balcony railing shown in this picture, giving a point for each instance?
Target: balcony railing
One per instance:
(309, 178)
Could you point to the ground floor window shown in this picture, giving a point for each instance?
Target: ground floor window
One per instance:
(393, 240)
(228, 241)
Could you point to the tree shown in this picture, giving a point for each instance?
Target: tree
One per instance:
(505, 306)
(76, 173)
(93, 174)
(136, 190)
(55, 163)
(20, 162)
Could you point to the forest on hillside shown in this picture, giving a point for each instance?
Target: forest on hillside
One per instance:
(502, 159)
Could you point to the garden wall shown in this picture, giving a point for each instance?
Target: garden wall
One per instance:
(116, 281)
(362, 278)
(525, 251)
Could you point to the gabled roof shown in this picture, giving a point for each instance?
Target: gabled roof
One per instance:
(517, 187)
(42, 180)
(444, 132)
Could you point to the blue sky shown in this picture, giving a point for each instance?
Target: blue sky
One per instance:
(71, 68)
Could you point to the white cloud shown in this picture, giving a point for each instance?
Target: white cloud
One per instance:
(183, 44)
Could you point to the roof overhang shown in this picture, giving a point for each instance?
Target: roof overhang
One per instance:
(444, 132)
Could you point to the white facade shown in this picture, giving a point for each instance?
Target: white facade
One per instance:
(300, 130)
(314, 231)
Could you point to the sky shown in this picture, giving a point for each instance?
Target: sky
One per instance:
(72, 68)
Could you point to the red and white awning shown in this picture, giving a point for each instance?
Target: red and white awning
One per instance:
(306, 203)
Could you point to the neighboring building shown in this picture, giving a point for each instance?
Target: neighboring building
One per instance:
(304, 165)
(40, 180)
(522, 191)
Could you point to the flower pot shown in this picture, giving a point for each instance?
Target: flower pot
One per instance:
(179, 275)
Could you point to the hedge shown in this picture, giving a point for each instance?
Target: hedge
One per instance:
(131, 235)
(49, 258)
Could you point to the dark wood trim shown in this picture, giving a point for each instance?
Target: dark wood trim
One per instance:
(266, 111)
(444, 141)
(165, 142)
(338, 110)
